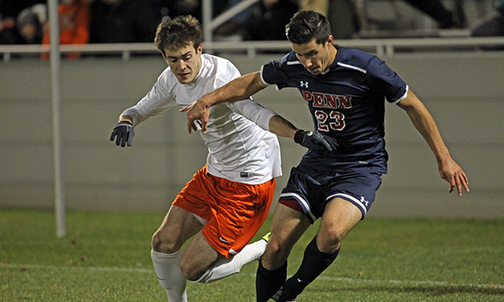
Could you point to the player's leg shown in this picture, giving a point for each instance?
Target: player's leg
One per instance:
(339, 217)
(177, 227)
(287, 227)
(349, 197)
(242, 210)
(225, 267)
(198, 257)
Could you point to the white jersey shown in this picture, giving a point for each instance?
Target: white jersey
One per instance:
(239, 146)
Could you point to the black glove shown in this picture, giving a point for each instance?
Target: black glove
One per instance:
(315, 141)
(124, 132)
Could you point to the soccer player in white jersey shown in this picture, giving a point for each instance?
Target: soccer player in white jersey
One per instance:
(226, 201)
(345, 90)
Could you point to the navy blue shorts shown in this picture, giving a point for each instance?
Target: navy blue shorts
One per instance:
(312, 194)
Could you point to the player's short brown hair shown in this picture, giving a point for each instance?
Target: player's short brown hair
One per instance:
(305, 26)
(178, 32)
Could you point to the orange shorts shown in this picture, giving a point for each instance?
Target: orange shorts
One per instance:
(234, 211)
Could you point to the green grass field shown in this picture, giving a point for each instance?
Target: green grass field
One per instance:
(106, 257)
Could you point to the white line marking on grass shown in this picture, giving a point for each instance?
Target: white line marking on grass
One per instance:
(412, 282)
(351, 280)
(90, 268)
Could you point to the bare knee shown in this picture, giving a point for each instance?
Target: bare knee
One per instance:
(189, 270)
(190, 274)
(339, 217)
(164, 244)
(274, 256)
(329, 240)
(198, 258)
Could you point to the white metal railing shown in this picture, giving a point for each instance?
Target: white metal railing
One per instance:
(210, 23)
(382, 47)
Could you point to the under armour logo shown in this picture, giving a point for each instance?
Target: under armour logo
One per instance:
(364, 201)
(303, 84)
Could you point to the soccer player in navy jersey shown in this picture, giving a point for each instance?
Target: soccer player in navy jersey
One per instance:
(345, 90)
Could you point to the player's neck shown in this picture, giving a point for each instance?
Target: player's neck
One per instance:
(332, 54)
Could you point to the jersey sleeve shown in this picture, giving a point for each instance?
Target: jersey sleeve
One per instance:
(387, 80)
(158, 100)
(254, 112)
(274, 73)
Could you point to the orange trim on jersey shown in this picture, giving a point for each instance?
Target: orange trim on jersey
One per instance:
(234, 211)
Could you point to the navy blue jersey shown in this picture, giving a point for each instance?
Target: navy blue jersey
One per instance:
(347, 102)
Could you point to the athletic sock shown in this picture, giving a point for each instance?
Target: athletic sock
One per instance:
(230, 266)
(314, 263)
(269, 282)
(170, 276)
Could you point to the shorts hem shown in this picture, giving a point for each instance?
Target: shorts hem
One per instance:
(355, 201)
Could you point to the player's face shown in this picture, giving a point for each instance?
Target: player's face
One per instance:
(315, 57)
(184, 62)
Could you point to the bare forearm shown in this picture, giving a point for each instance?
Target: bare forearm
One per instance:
(125, 118)
(427, 127)
(282, 127)
(425, 124)
(236, 90)
(449, 170)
